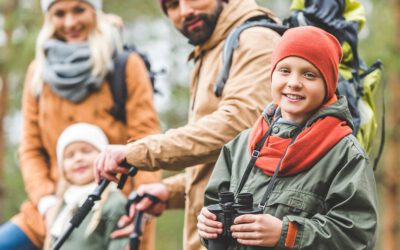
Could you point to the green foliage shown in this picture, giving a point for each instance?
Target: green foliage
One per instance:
(132, 9)
(15, 189)
(23, 23)
(176, 115)
(169, 230)
(381, 36)
(21, 27)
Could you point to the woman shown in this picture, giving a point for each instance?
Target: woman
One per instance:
(66, 84)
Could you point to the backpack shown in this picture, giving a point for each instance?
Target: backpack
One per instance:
(117, 80)
(357, 81)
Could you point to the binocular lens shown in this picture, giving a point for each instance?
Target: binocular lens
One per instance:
(225, 197)
(245, 199)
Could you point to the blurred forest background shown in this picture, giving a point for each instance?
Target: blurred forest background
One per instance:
(150, 31)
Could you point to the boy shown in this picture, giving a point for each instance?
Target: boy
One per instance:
(311, 178)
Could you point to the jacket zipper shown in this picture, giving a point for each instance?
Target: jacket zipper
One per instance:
(197, 80)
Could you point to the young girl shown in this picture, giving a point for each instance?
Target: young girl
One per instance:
(310, 176)
(66, 84)
(77, 148)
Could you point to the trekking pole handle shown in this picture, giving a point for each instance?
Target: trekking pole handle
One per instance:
(124, 177)
(134, 237)
(134, 198)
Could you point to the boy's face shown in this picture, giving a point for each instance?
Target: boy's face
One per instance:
(78, 162)
(298, 88)
(73, 20)
(195, 19)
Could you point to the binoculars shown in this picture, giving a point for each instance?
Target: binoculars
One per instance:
(226, 211)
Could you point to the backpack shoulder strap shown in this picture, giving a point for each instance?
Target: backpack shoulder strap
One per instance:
(117, 83)
(232, 43)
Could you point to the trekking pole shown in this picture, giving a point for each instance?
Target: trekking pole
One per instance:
(84, 210)
(134, 237)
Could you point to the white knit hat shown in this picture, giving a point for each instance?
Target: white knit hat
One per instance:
(84, 132)
(45, 4)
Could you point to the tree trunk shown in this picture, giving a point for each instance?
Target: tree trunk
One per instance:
(391, 179)
(6, 10)
(3, 102)
(390, 235)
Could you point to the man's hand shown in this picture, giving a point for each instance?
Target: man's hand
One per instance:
(158, 190)
(107, 163)
(146, 205)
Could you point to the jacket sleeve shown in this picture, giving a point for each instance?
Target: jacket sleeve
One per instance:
(220, 178)
(351, 218)
(33, 158)
(141, 115)
(245, 95)
(176, 188)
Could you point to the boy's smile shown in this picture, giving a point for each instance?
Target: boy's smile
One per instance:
(298, 88)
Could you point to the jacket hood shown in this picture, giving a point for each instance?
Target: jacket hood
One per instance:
(233, 14)
(338, 109)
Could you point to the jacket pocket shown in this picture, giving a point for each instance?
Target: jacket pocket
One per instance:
(294, 202)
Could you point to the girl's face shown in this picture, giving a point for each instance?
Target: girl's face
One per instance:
(78, 162)
(73, 20)
(298, 88)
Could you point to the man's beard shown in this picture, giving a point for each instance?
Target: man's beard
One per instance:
(201, 34)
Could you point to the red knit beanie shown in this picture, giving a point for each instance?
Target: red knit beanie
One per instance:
(316, 46)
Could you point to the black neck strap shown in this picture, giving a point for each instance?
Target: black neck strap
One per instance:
(273, 179)
(254, 158)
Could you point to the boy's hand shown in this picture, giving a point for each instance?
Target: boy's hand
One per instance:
(207, 224)
(257, 230)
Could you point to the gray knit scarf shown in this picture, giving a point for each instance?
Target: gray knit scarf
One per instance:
(68, 70)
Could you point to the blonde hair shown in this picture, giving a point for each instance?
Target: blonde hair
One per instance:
(103, 41)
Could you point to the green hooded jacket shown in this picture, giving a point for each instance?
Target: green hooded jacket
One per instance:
(334, 203)
(100, 239)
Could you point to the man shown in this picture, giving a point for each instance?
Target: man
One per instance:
(213, 121)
